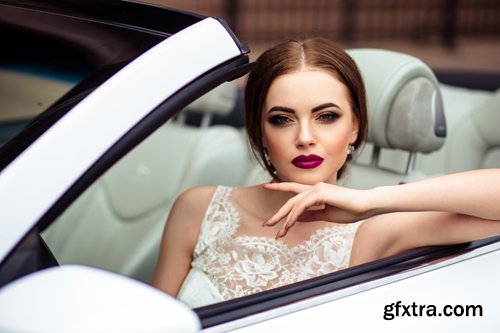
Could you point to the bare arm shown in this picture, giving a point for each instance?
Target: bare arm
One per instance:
(475, 193)
(179, 239)
(442, 210)
(388, 234)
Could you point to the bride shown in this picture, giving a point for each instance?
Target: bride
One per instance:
(305, 115)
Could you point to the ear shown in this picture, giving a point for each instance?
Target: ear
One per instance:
(355, 129)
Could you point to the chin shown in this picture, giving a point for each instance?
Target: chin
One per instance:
(310, 178)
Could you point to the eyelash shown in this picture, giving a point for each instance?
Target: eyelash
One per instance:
(281, 120)
(328, 117)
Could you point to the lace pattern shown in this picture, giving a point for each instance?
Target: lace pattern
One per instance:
(243, 265)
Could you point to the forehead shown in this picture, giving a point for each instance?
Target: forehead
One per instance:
(307, 88)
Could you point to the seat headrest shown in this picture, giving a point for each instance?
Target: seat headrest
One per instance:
(405, 108)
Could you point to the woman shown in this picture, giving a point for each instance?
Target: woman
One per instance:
(305, 115)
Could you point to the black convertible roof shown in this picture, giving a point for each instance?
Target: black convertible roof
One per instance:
(134, 15)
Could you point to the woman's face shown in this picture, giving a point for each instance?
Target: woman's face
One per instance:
(307, 126)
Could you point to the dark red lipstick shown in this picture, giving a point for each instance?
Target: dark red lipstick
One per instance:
(307, 161)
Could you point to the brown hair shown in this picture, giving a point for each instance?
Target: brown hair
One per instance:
(287, 57)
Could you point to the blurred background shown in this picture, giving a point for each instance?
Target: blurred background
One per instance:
(459, 39)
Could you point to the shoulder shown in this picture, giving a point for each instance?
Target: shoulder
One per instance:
(195, 197)
(189, 210)
(192, 203)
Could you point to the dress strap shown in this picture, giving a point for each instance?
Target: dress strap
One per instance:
(219, 221)
(353, 230)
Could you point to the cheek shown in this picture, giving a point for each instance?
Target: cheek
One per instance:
(273, 141)
(278, 144)
(336, 143)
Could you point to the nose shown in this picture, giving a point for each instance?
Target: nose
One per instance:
(305, 136)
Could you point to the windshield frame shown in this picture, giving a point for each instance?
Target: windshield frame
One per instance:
(227, 63)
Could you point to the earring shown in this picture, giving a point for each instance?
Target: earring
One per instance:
(268, 161)
(266, 156)
(350, 149)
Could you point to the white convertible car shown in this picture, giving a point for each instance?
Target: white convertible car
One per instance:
(108, 110)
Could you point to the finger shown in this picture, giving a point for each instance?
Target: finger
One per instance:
(294, 207)
(287, 187)
(284, 230)
(308, 201)
(284, 210)
(313, 215)
(299, 207)
(280, 214)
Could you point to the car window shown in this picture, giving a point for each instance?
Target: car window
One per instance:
(30, 81)
(42, 62)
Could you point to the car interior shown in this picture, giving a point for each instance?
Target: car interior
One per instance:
(419, 128)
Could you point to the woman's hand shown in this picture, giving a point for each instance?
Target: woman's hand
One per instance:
(321, 202)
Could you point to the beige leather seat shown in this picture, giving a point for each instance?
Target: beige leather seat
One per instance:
(117, 224)
(405, 117)
(473, 141)
(220, 101)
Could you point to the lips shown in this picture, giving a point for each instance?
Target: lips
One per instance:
(307, 161)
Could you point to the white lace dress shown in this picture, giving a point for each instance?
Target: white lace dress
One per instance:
(226, 266)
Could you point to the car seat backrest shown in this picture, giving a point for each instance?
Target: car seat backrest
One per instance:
(475, 141)
(175, 158)
(486, 120)
(466, 147)
(220, 101)
(405, 112)
(117, 224)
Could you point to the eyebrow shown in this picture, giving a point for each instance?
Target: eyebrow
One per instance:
(324, 106)
(281, 108)
(314, 109)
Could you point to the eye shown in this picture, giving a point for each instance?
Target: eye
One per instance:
(279, 120)
(328, 117)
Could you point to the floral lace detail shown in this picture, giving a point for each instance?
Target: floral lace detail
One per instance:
(243, 265)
